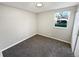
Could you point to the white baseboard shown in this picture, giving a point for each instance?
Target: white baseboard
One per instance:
(27, 38)
(17, 42)
(55, 38)
(31, 36)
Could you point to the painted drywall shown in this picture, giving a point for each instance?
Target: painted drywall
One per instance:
(76, 53)
(46, 22)
(15, 25)
(76, 34)
(75, 31)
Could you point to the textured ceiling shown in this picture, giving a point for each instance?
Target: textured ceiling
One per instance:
(30, 6)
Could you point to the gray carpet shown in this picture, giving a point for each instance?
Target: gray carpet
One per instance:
(39, 46)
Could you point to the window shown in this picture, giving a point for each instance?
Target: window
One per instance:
(62, 18)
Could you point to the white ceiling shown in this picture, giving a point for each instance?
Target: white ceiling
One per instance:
(30, 6)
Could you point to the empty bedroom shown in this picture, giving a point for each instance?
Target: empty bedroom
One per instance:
(39, 29)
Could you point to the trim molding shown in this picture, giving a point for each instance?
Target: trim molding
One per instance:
(29, 37)
(55, 38)
(17, 42)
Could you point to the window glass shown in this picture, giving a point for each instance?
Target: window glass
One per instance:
(62, 18)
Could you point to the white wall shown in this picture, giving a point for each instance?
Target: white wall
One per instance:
(76, 35)
(76, 53)
(46, 24)
(15, 25)
(75, 30)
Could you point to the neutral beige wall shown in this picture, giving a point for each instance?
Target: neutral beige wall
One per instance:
(46, 24)
(15, 25)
